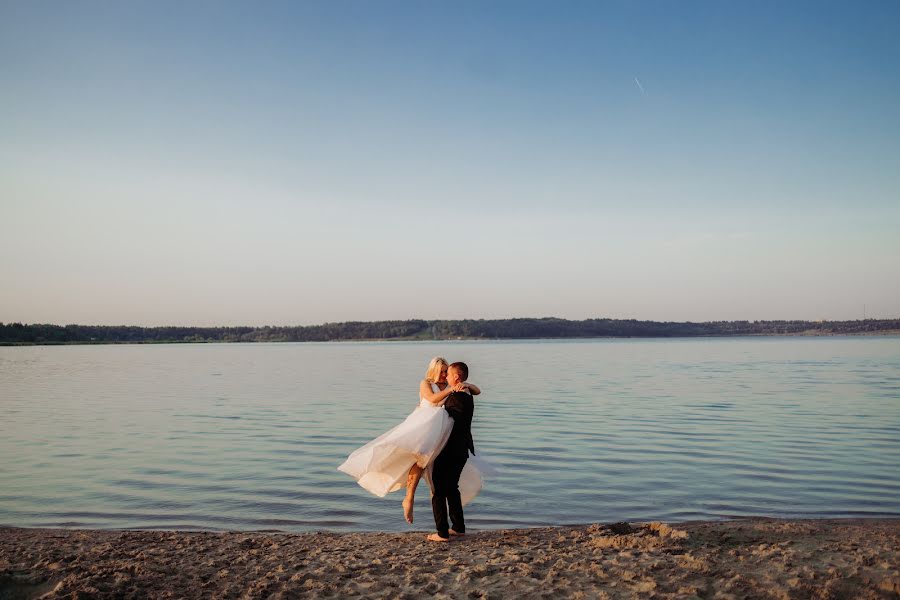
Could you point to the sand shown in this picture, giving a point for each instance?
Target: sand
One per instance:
(753, 558)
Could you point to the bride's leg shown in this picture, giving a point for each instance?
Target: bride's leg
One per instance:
(412, 481)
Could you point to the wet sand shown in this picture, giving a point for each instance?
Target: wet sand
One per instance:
(752, 558)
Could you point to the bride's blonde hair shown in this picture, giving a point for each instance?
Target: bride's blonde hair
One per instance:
(433, 373)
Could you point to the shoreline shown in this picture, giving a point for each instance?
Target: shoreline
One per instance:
(518, 328)
(805, 334)
(745, 558)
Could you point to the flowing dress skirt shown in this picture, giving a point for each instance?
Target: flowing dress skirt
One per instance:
(382, 465)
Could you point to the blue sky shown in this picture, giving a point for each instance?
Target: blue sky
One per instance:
(288, 163)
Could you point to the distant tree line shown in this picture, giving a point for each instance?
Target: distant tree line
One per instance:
(18, 333)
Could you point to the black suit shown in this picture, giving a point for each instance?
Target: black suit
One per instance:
(449, 465)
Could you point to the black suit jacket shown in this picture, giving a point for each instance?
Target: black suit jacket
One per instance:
(461, 407)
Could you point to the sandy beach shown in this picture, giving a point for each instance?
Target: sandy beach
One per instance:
(752, 558)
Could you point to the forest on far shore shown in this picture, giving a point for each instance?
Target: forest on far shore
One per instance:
(508, 329)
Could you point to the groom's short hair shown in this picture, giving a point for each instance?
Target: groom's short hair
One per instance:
(463, 369)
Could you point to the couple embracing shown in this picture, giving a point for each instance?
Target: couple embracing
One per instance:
(434, 441)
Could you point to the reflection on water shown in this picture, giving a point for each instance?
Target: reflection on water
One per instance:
(237, 436)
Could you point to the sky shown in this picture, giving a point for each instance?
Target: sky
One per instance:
(288, 163)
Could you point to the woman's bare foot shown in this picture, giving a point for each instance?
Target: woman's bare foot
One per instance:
(456, 533)
(436, 538)
(408, 509)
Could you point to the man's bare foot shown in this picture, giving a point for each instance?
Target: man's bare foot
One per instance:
(456, 533)
(436, 538)
(408, 510)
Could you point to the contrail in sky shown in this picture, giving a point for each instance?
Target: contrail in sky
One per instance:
(640, 87)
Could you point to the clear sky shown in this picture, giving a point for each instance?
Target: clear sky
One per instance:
(224, 163)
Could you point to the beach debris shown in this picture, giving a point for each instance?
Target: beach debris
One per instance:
(664, 531)
(620, 528)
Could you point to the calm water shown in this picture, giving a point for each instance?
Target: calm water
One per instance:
(236, 436)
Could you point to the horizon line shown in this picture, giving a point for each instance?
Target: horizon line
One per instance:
(322, 324)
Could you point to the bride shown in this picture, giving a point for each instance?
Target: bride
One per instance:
(402, 455)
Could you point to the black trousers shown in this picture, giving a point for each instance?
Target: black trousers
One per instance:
(445, 477)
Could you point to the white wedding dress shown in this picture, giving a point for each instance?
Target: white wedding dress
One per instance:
(381, 466)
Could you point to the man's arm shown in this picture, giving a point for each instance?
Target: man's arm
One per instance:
(454, 405)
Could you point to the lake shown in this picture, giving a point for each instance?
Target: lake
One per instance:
(248, 436)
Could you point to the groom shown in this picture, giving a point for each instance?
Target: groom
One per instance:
(450, 462)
